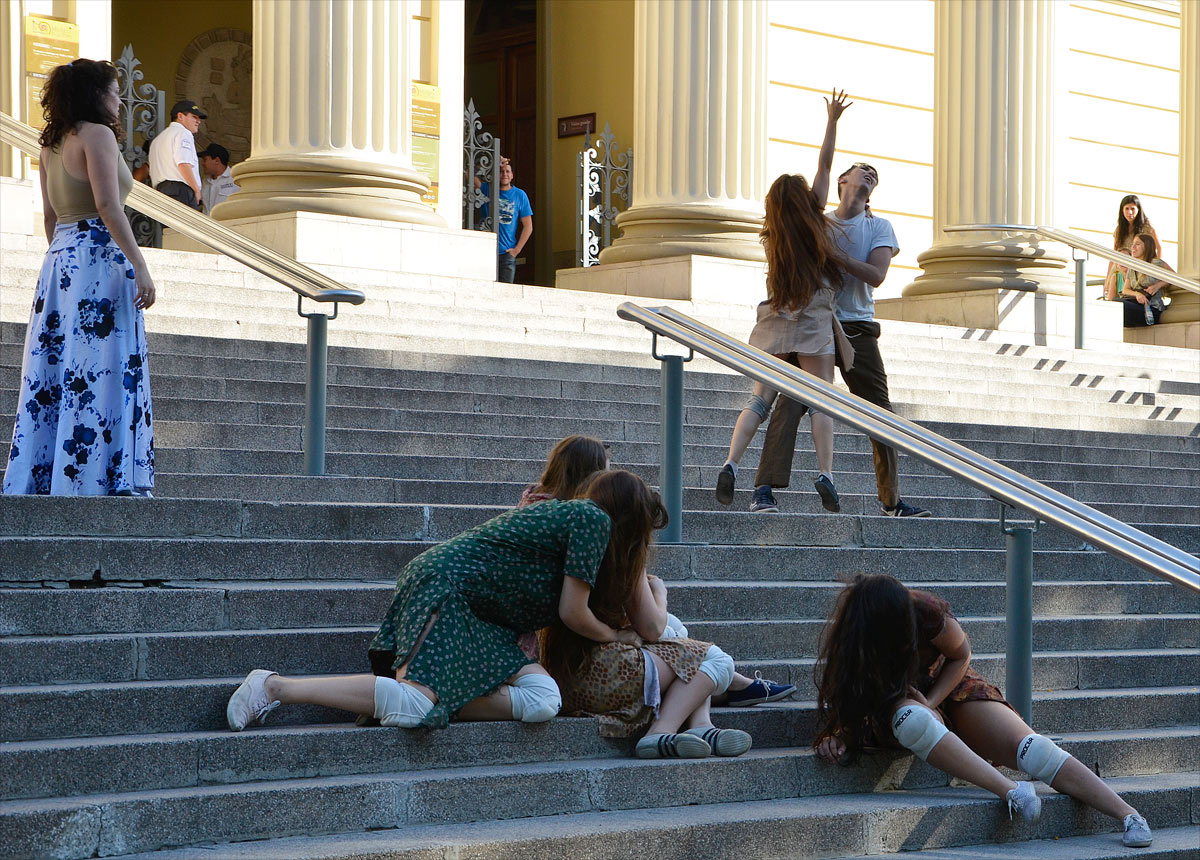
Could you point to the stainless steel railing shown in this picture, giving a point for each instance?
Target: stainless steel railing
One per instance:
(1009, 487)
(1087, 247)
(305, 282)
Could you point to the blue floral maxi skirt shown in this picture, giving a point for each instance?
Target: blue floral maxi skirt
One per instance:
(83, 423)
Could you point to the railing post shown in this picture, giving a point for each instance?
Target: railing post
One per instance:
(314, 392)
(1080, 288)
(1018, 617)
(670, 456)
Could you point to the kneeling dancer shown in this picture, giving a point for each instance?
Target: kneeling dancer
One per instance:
(451, 633)
(894, 668)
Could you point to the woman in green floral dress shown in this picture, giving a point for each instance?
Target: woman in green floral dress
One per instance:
(452, 629)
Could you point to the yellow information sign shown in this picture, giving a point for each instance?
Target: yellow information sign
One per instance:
(426, 135)
(49, 43)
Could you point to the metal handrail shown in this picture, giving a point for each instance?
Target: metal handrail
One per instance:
(1000, 482)
(1172, 278)
(305, 282)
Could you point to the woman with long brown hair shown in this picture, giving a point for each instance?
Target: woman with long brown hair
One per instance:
(83, 424)
(796, 322)
(451, 634)
(1131, 221)
(894, 669)
(653, 685)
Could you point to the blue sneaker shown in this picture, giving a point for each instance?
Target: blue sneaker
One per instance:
(904, 509)
(759, 691)
(829, 496)
(763, 501)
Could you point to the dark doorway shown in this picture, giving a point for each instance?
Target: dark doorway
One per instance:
(501, 76)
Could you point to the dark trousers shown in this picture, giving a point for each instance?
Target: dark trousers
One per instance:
(1135, 313)
(868, 380)
(506, 268)
(180, 191)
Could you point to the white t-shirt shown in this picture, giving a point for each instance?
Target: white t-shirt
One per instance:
(174, 146)
(858, 237)
(214, 191)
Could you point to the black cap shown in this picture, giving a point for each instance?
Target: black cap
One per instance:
(187, 106)
(216, 151)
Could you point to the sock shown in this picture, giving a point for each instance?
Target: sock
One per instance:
(733, 466)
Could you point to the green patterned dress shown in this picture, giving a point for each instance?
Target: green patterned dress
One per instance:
(488, 586)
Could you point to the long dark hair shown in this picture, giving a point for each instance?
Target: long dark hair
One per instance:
(571, 461)
(1125, 229)
(74, 93)
(1149, 247)
(866, 661)
(795, 235)
(636, 511)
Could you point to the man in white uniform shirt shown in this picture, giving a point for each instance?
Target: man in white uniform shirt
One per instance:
(866, 244)
(174, 167)
(218, 180)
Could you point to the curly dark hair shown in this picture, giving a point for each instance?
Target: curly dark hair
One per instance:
(571, 461)
(866, 662)
(73, 94)
(636, 511)
(795, 235)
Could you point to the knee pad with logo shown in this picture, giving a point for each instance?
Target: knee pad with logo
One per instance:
(1040, 757)
(400, 705)
(917, 729)
(719, 666)
(535, 698)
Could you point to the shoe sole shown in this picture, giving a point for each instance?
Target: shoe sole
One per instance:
(729, 743)
(764, 509)
(906, 516)
(724, 491)
(1140, 843)
(829, 499)
(686, 746)
(749, 703)
(240, 693)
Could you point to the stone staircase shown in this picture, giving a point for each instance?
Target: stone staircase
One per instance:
(126, 623)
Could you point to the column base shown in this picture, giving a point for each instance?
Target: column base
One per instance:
(1023, 316)
(328, 184)
(691, 277)
(360, 243)
(992, 265)
(654, 232)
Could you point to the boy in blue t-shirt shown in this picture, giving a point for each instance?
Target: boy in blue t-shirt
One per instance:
(514, 209)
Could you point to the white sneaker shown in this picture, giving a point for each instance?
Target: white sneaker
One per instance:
(1137, 832)
(249, 702)
(1024, 801)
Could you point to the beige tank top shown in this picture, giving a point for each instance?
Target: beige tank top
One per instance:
(72, 198)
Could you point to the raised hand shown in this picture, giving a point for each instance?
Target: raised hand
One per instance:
(837, 105)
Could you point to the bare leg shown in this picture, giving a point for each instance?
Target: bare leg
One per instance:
(995, 731)
(679, 700)
(951, 755)
(498, 704)
(348, 692)
(820, 424)
(747, 425)
(701, 718)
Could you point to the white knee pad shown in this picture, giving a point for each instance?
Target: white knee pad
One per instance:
(400, 705)
(1040, 757)
(535, 698)
(759, 405)
(917, 729)
(719, 666)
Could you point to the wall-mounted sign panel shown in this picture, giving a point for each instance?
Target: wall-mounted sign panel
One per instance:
(426, 135)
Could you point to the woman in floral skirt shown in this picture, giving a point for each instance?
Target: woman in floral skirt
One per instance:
(83, 425)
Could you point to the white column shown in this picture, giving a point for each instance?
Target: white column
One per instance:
(699, 131)
(993, 148)
(1185, 306)
(332, 117)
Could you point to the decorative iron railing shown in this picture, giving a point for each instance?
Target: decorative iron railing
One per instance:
(602, 178)
(142, 115)
(481, 164)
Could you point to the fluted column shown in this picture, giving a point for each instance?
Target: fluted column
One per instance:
(993, 150)
(332, 116)
(1185, 306)
(699, 131)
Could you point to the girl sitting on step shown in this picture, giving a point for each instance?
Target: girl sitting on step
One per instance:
(894, 669)
(570, 464)
(1143, 296)
(451, 632)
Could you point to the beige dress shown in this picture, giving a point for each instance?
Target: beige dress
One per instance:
(812, 330)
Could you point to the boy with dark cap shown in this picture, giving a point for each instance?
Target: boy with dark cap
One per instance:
(218, 180)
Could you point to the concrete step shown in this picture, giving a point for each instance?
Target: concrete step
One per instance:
(592, 816)
(96, 561)
(182, 607)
